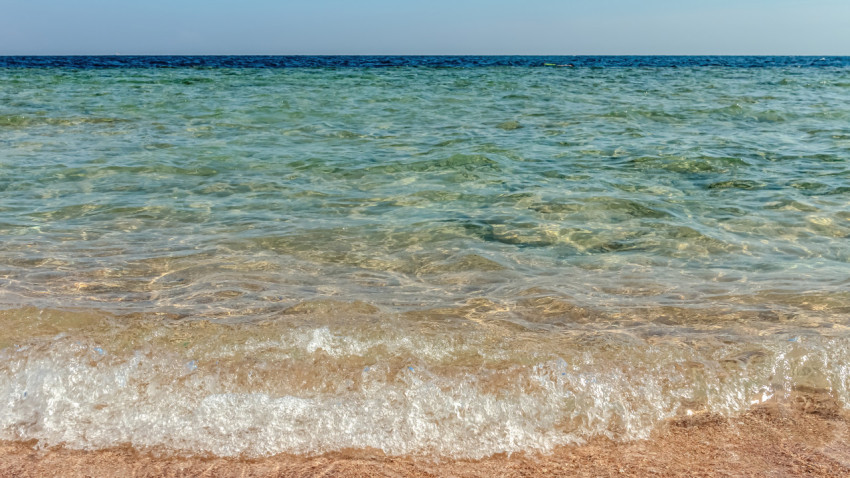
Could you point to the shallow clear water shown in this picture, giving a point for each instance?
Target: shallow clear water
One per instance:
(453, 261)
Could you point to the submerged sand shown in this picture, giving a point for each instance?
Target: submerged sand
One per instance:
(806, 435)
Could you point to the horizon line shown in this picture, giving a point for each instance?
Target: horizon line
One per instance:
(428, 55)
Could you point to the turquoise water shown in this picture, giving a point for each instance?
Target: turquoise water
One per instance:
(452, 261)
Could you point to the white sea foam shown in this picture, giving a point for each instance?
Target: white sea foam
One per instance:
(83, 396)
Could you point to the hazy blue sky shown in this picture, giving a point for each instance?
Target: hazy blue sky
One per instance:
(817, 27)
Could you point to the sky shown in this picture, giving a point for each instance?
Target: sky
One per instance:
(432, 27)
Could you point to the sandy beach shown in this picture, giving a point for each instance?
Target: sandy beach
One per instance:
(807, 435)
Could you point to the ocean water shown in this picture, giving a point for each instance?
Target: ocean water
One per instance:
(443, 256)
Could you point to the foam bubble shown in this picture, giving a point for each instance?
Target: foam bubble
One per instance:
(65, 391)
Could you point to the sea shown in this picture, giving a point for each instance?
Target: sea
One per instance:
(451, 257)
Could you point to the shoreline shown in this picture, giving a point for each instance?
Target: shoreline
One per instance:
(806, 435)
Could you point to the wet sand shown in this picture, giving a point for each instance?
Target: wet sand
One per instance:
(806, 435)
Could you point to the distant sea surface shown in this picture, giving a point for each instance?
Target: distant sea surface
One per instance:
(442, 256)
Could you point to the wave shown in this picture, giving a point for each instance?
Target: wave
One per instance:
(467, 387)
